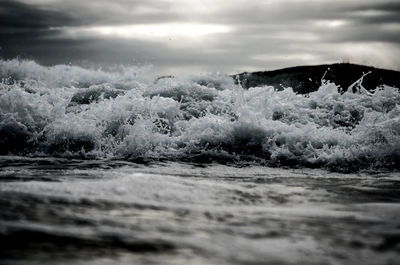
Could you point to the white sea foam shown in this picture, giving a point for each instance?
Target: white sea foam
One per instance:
(72, 111)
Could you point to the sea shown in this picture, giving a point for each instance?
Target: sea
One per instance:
(120, 166)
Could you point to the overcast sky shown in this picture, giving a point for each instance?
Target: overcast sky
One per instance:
(202, 36)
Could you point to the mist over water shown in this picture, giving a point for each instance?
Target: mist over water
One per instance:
(130, 114)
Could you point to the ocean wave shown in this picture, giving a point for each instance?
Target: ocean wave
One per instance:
(129, 114)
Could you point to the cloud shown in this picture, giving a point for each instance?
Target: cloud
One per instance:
(16, 17)
(202, 35)
(116, 12)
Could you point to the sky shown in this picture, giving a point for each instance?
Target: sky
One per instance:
(202, 36)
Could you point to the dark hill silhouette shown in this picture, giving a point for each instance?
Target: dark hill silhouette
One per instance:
(305, 79)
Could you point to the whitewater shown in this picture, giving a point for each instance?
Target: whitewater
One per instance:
(122, 166)
(71, 111)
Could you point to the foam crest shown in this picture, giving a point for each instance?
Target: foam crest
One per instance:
(71, 111)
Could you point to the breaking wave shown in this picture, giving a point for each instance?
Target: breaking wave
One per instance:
(128, 114)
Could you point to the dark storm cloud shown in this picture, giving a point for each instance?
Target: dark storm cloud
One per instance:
(17, 17)
(101, 12)
(362, 22)
(22, 26)
(380, 13)
(390, 7)
(262, 34)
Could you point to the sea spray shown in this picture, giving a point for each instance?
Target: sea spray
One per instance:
(129, 114)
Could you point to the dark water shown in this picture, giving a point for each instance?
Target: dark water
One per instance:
(59, 211)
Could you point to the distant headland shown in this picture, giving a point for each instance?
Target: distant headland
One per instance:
(305, 79)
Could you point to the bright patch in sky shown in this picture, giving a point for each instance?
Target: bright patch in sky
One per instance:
(152, 31)
(330, 23)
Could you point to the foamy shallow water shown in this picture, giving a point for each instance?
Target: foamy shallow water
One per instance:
(59, 211)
